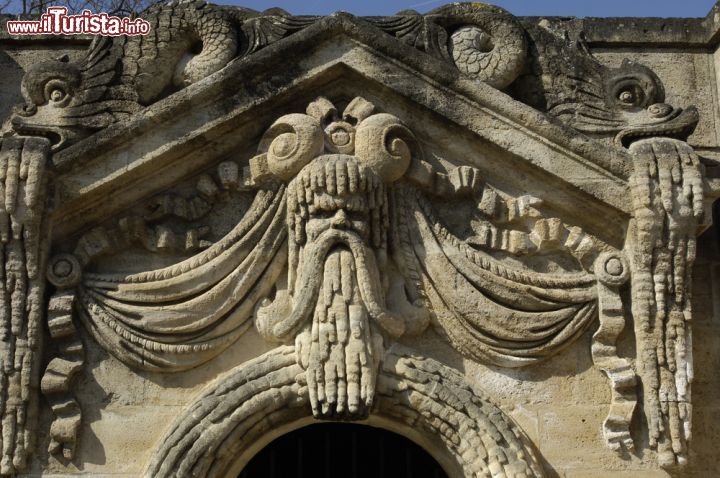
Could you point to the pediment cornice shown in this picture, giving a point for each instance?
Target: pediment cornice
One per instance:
(210, 119)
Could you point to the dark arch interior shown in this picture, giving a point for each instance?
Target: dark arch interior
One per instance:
(342, 450)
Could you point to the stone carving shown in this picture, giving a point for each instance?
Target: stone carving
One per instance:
(613, 271)
(150, 230)
(150, 319)
(564, 79)
(64, 272)
(626, 105)
(119, 75)
(342, 205)
(268, 392)
(483, 41)
(544, 69)
(338, 203)
(337, 218)
(334, 302)
(344, 250)
(668, 198)
(480, 289)
(23, 242)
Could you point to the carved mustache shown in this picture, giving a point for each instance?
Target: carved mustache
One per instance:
(311, 276)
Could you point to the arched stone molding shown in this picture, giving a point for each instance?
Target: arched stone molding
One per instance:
(419, 397)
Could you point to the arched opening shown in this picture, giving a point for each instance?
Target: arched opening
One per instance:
(430, 403)
(330, 450)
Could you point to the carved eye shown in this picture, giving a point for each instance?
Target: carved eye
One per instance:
(631, 92)
(57, 93)
(631, 96)
(627, 97)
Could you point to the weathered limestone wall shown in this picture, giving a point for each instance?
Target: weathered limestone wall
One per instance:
(560, 403)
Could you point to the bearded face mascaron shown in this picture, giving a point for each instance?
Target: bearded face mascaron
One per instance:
(337, 219)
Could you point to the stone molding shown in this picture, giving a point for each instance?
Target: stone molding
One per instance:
(464, 430)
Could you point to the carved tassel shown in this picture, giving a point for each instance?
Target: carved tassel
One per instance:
(22, 249)
(668, 195)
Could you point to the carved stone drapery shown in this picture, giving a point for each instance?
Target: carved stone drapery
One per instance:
(344, 249)
(335, 209)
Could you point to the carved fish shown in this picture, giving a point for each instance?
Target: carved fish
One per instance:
(546, 71)
(118, 76)
(564, 79)
(483, 41)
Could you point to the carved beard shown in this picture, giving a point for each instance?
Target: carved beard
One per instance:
(339, 348)
(337, 219)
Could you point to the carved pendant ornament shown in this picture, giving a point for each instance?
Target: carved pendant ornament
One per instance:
(344, 251)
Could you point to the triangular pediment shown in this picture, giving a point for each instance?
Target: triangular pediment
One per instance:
(460, 120)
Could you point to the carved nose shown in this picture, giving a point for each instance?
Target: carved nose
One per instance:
(28, 109)
(660, 110)
(340, 220)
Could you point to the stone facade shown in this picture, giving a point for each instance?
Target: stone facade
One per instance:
(490, 234)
